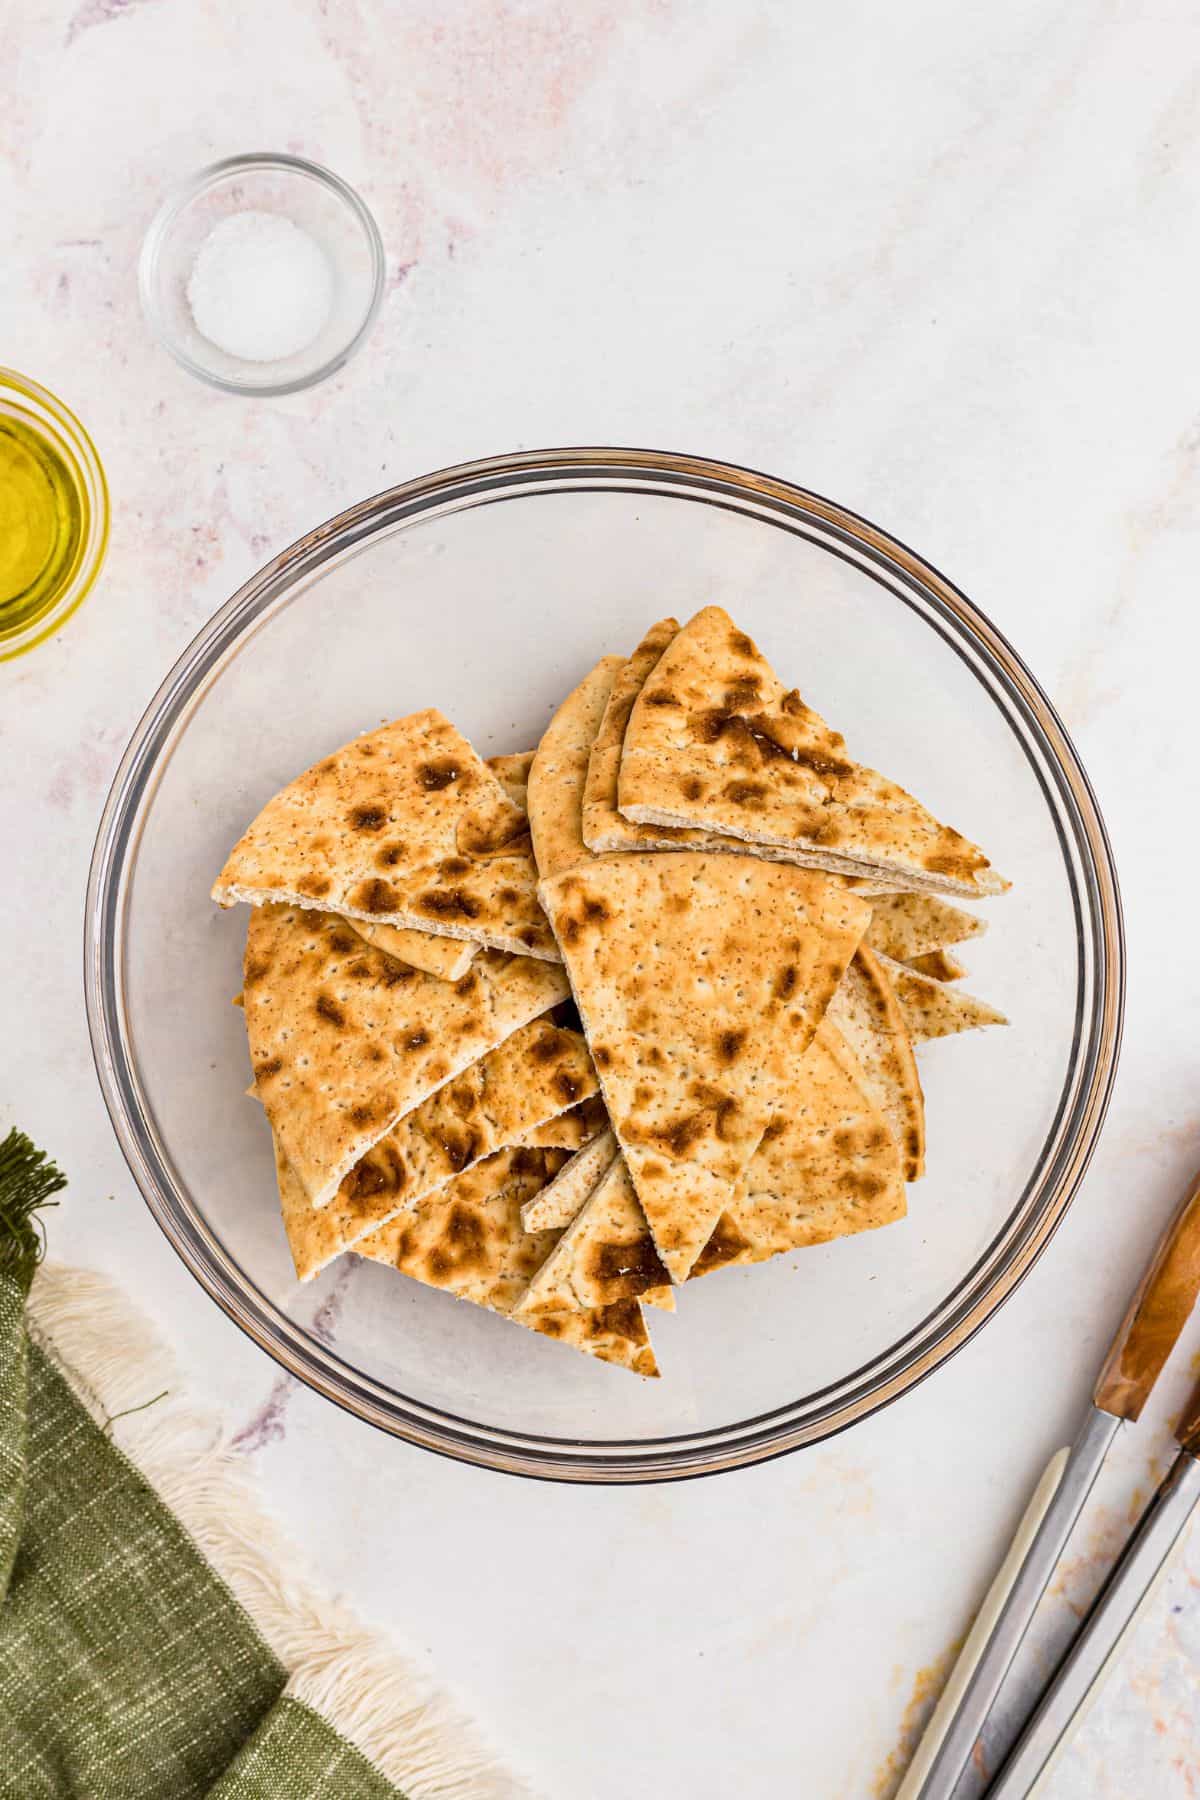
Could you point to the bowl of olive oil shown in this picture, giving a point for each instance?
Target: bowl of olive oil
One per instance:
(53, 513)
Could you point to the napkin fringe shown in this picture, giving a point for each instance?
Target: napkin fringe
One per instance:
(349, 1674)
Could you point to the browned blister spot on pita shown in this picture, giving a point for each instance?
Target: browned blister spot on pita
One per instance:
(448, 903)
(328, 1009)
(253, 972)
(368, 818)
(389, 855)
(434, 776)
(725, 1245)
(314, 886)
(626, 1270)
(954, 863)
(731, 1043)
(742, 691)
(461, 1148)
(375, 896)
(366, 1112)
(745, 793)
(263, 1071)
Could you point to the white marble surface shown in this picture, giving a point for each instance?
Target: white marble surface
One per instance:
(935, 260)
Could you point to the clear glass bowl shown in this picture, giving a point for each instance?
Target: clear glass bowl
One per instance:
(32, 405)
(313, 198)
(488, 590)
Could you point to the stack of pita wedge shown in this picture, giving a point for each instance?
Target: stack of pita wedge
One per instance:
(559, 1032)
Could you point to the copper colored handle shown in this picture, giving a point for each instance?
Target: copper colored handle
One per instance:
(1188, 1428)
(1157, 1314)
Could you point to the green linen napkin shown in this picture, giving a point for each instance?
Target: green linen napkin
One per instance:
(155, 1643)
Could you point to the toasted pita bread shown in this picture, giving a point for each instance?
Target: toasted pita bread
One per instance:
(448, 958)
(827, 1167)
(604, 827)
(403, 827)
(688, 970)
(867, 1013)
(606, 1254)
(570, 1131)
(561, 1198)
(512, 772)
(911, 925)
(445, 956)
(714, 742)
(933, 1010)
(470, 1242)
(345, 1040)
(537, 1073)
(939, 965)
(559, 772)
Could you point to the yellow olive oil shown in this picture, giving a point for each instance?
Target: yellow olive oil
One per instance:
(43, 520)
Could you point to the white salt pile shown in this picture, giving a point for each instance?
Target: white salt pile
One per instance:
(260, 287)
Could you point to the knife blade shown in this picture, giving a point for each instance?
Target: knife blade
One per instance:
(1126, 1594)
(1144, 1340)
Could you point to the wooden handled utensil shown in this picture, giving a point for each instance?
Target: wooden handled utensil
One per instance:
(1147, 1334)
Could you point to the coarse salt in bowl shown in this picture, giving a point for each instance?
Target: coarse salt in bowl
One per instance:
(262, 274)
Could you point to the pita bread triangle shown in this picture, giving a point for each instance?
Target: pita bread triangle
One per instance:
(715, 742)
(512, 772)
(571, 1130)
(942, 965)
(559, 771)
(604, 827)
(561, 1198)
(867, 1013)
(933, 1010)
(826, 1168)
(536, 1074)
(607, 1253)
(469, 1241)
(828, 1165)
(449, 958)
(688, 971)
(345, 1040)
(405, 826)
(910, 925)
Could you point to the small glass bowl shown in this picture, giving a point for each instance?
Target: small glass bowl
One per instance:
(35, 406)
(314, 199)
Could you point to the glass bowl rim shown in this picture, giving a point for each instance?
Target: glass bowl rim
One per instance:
(1065, 1154)
(72, 439)
(189, 189)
